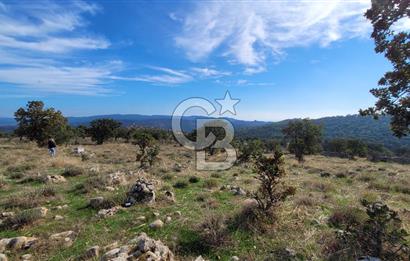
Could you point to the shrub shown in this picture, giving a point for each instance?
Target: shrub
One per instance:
(167, 177)
(194, 179)
(249, 150)
(148, 151)
(249, 219)
(346, 216)
(380, 235)
(210, 183)
(21, 219)
(46, 191)
(216, 175)
(270, 172)
(213, 231)
(91, 184)
(181, 184)
(73, 171)
(29, 199)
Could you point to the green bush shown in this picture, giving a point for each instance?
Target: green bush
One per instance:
(73, 171)
(181, 184)
(194, 179)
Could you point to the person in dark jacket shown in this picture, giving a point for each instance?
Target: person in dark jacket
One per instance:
(52, 147)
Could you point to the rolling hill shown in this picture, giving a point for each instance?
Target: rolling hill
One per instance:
(350, 126)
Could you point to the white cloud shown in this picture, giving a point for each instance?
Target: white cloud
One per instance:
(250, 32)
(33, 38)
(166, 76)
(209, 72)
(55, 79)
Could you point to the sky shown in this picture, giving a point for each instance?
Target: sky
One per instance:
(281, 59)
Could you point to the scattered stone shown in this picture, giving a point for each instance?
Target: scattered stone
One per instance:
(96, 202)
(58, 217)
(17, 243)
(79, 150)
(141, 218)
(40, 211)
(116, 254)
(250, 202)
(178, 213)
(95, 169)
(169, 195)
(27, 257)
(238, 191)
(109, 188)
(146, 248)
(110, 247)
(168, 219)
(55, 179)
(234, 258)
(199, 258)
(156, 214)
(64, 238)
(141, 192)
(177, 167)
(290, 252)
(3, 257)
(157, 224)
(91, 253)
(325, 174)
(7, 214)
(103, 213)
(117, 178)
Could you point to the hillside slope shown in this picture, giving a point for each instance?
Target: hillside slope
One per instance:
(351, 126)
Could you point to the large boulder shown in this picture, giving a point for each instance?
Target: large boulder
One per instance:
(64, 238)
(17, 243)
(140, 248)
(141, 192)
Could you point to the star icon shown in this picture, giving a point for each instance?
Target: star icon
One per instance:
(227, 104)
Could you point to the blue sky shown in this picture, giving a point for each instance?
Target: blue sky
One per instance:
(282, 59)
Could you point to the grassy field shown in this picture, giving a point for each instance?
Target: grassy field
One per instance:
(324, 185)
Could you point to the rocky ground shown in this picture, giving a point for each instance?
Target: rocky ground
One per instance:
(101, 206)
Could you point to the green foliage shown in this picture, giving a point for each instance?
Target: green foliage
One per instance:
(103, 129)
(394, 92)
(304, 137)
(249, 150)
(194, 179)
(348, 148)
(143, 140)
(181, 184)
(379, 235)
(148, 151)
(73, 171)
(271, 192)
(39, 124)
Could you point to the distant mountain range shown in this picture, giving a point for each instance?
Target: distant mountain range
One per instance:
(351, 126)
(151, 121)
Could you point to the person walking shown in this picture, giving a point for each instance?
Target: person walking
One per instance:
(52, 147)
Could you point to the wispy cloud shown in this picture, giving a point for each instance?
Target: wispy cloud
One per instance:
(36, 42)
(248, 32)
(69, 80)
(160, 75)
(209, 72)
